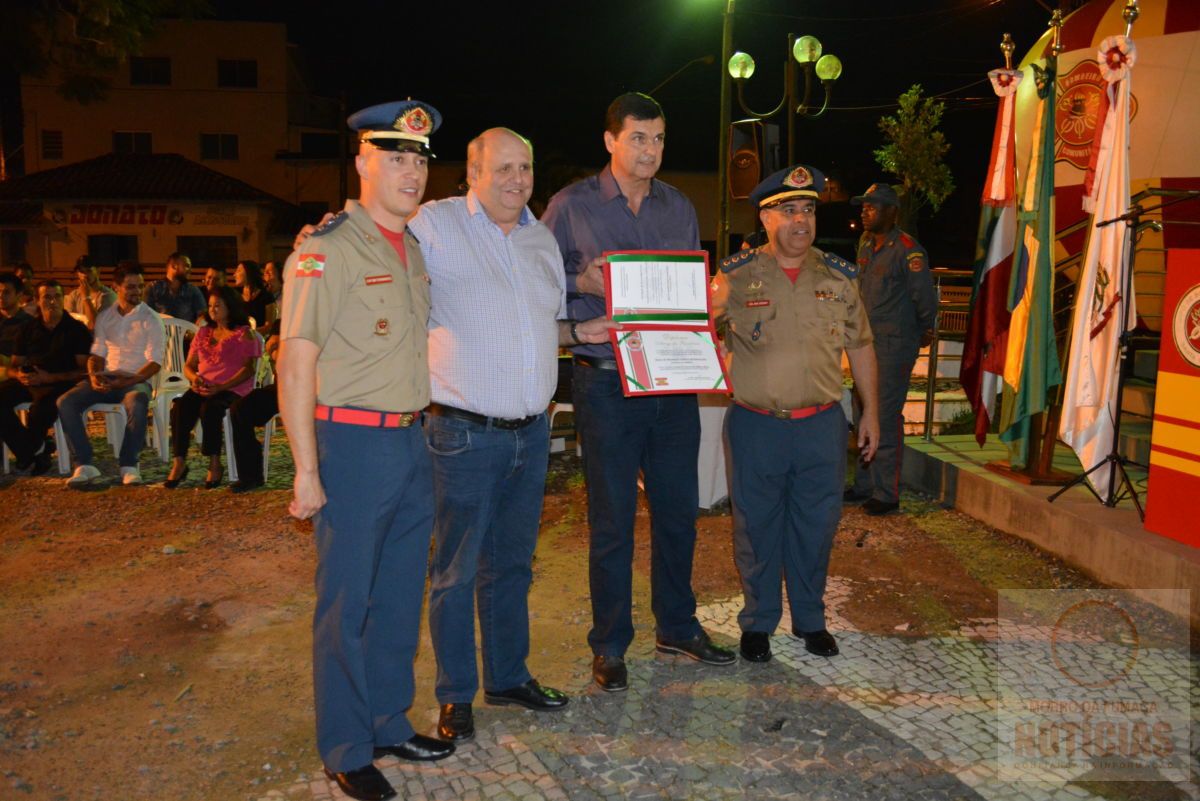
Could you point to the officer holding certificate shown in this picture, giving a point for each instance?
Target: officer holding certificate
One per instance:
(787, 311)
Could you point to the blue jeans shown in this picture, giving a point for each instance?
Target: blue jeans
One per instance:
(73, 404)
(488, 487)
(786, 488)
(658, 435)
(372, 538)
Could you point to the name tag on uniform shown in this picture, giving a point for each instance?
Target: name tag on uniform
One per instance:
(372, 280)
(751, 304)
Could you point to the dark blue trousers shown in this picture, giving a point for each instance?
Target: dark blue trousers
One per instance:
(372, 539)
(658, 435)
(880, 479)
(786, 487)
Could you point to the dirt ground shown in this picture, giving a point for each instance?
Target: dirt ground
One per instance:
(157, 642)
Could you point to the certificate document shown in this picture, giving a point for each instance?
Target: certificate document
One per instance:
(666, 343)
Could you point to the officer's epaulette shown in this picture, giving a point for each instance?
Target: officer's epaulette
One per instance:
(334, 222)
(412, 233)
(738, 259)
(844, 267)
(907, 241)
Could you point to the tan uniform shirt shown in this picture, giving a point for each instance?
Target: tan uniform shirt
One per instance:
(348, 292)
(785, 340)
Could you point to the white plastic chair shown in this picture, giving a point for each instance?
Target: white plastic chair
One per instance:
(60, 443)
(170, 382)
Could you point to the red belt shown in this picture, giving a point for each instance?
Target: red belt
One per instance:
(790, 414)
(365, 417)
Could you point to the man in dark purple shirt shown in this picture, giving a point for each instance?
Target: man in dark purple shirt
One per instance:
(625, 208)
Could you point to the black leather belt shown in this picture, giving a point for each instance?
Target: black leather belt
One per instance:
(599, 364)
(503, 423)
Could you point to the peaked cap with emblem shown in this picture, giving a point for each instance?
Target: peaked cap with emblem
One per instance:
(404, 125)
(880, 194)
(799, 180)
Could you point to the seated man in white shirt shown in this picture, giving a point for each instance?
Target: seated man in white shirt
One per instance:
(127, 351)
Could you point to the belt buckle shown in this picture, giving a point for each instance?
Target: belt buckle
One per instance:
(781, 414)
(406, 419)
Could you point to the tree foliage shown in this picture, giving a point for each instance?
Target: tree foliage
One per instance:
(81, 42)
(913, 152)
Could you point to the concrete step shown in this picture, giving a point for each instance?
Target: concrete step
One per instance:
(1145, 365)
(1135, 438)
(1138, 398)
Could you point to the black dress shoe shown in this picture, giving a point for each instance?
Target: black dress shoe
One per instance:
(244, 485)
(756, 646)
(700, 648)
(213, 483)
(610, 673)
(456, 722)
(418, 748)
(875, 507)
(530, 695)
(852, 498)
(366, 783)
(820, 642)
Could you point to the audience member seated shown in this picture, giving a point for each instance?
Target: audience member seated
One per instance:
(91, 297)
(273, 278)
(128, 349)
(220, 367)
(213, 277)
(49, 356)
(174, 296)
(260, 304)
(12, 316)
(246, 414)
(29, 303)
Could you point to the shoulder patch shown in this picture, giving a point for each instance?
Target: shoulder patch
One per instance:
(337, 220)
(916, 262)
(840, 265)
(738, 259)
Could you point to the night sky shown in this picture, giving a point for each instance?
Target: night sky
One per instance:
(549, 69)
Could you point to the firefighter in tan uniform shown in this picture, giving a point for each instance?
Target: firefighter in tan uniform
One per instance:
(786, 312)
(353, 378)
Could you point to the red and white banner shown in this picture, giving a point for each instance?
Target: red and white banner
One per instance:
(1089, 402)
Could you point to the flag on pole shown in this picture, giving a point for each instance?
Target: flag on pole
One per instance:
(1031, 360)
(1089, 402)
(985, 347)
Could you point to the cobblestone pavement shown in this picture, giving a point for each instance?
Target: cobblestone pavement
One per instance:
(891, 718)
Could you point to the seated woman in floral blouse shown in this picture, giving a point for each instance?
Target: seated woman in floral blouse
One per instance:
(220, 367)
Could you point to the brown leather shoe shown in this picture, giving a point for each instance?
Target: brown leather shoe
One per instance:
(610, 673)
(456, 722)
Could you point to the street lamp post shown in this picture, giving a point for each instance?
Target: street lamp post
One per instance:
(805, 51)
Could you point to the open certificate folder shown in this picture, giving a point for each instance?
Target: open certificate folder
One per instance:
(666, 343)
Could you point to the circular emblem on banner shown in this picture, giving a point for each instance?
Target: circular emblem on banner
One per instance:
(1077, 112)
(1185, 326)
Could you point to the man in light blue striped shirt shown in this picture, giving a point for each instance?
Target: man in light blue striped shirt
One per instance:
(497, 321)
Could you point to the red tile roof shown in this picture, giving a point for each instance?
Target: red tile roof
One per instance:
(133, 176)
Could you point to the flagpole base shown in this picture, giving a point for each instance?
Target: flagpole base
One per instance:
(1030, 475)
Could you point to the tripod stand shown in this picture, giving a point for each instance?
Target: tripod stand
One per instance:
(1115, 461)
